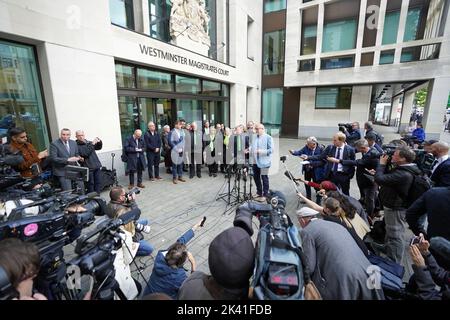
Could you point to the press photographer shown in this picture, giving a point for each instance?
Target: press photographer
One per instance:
(352, 132)
(87, 150)
(395, 185)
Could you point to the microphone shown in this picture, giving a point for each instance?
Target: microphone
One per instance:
(289, 175)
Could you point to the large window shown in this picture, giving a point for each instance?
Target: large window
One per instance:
(333, 98)
(391, 27)
(188, 85)
(272, 109)
(121, 12)
(20, 95)
(274, 52)
(337, 62)
(154, 80)
(159, 19)
(274, 5)
(340, 35)
(125, 76)
(309, 39)
(412, 24)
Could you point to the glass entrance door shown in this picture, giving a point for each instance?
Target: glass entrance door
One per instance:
(215, 112)
(129, 116)
(163, 109)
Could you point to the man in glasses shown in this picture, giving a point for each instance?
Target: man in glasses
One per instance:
(19, 142)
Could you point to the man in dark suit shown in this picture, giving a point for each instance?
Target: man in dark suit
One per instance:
(134, 148)
(194, 145)
(440, 174)
(337, 169)
(152, 141)
(64, 152)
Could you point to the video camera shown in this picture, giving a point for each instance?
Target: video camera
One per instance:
(345, 126)
(8, 160)
(279, 271)
(389, 149)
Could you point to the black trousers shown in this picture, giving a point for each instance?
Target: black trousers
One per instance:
(193, 168)
(342, 181)
(139, 170)
(94, 180)
(153, 159)
(308, 176)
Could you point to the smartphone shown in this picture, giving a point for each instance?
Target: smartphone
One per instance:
(415, 240)
(203, 222)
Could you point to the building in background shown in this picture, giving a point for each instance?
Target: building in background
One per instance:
(110, 67)
(353, 60)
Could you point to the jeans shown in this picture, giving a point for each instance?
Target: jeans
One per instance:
(94, 180)
(395, 233)
(258, 175)
(145, 248)
(153, 159)
(177, 170)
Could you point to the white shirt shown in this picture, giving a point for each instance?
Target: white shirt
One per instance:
(439, 161)
(340, 168)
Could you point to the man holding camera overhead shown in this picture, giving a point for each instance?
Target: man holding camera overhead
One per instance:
(352, 132)
(87, 151)
(64, 152)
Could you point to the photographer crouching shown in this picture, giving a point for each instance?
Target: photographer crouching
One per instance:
(120, 199)
(394, 187)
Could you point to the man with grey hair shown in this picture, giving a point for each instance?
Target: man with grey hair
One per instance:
(64, 152)
(394, 188)
(134, 148)
(87, 150)
(261, 150)
(369, 161)
(441, 171)
(315, 169)
(336, 264)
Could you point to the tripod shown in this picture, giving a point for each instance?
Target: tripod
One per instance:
(227, 196)
(116, 182)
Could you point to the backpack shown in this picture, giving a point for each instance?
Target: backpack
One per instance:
(107, 178)
(391, 276)
(420, 184)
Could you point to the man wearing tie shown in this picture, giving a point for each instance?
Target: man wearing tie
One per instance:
(340, 159)
(440, 175)
(64, 152)
(134, 148)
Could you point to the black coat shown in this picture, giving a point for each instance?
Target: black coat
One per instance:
(435, 203)
(87, 151)
(369, 160)
(348, 159)
(152, 142)
(395, 185)
(133, 156)
(441, 176)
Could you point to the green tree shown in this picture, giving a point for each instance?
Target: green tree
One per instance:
(421, 97)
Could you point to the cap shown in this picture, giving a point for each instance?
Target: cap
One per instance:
(306, 212)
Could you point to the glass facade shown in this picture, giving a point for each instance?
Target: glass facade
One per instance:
(309, 39)
(125, 76)
(272, 109)
(274, 52)
(333, 98)
(154, 80)
(163, 97)
(21, 103)
(274, 5)
(121, 12)
(159, 19)
(387, 57)
(339, 35)
(390, 29)
(412, 24)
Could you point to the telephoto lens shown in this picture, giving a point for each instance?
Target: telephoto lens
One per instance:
(143, 228)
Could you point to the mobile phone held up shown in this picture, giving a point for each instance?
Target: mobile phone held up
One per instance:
(415, 240)
(203, 222)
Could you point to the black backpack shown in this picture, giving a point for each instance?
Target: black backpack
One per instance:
(420, 184)
(107, 178)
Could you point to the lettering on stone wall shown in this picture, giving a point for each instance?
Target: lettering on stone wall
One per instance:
(164, 55)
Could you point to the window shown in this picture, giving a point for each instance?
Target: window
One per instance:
(272, 108)
(160, 19)
(274, 5)
(420, 53)
(340, 35)
(21, 102)
(187, 85)
(250, 37)
(154, 80)
(367, 59)
(333, 98)
(189, 110)
(211, 88)
(274, 52)
(121, 12)
(309, 39)
(307, 65)
(387, 57)
(412, 25)
(337, 63)
(125, 76)
(391, 27)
